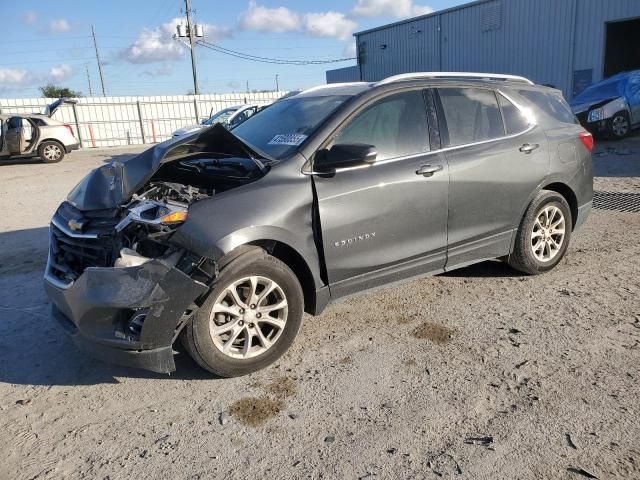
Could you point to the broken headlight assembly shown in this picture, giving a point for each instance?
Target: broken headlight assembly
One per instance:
(154, 213)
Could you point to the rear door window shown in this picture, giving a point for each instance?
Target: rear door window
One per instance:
(514, 120)
(471, 115)
(395, 125)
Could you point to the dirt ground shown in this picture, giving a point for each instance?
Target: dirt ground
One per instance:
(480, 373)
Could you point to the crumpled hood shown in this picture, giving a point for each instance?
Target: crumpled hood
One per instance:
(188, 129)
(113, 184)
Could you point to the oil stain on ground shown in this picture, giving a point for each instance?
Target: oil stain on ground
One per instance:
(282, 387)
(255, 411)
(434, 332)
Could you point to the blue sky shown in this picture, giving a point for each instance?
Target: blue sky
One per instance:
(45, 41)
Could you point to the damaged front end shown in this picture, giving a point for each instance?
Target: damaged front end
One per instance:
(117, 283)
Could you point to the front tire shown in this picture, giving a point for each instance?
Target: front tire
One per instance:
(544, 233)
(619, 125)
(50, 152)
(249, 320)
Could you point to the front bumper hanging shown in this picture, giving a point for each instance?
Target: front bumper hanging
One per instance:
(126, 315)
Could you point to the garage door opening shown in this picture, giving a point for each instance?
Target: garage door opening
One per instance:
(621, 52)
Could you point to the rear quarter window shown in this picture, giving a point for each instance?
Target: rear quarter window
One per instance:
(553, 105)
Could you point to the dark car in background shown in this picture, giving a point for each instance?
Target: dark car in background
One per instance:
(224, 238)
(611, 107)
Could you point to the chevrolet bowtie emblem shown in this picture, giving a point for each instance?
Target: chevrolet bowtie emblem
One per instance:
(75, 225)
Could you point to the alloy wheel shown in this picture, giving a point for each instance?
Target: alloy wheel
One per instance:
(548, 233)
(52, 152)
(248, 317)
(620, 126)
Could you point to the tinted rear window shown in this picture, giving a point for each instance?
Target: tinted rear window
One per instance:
(553, 105)
(472, 115)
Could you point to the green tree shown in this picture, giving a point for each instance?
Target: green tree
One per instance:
(52, 91)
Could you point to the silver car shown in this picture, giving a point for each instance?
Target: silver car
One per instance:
(224, 238)
(229, 117)
(36, 135)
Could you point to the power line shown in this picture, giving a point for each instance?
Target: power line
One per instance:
(278, 61)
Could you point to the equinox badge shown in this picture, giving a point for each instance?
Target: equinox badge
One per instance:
(352, 240)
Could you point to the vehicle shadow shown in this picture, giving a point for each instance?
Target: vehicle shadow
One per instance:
(488, 269)
(36, 351)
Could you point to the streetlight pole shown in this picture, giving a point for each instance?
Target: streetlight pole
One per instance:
(277, 87)
(95, 45)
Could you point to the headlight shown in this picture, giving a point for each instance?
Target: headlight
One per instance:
(596, 115)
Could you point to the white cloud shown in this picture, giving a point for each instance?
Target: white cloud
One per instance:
(158, 44)
(30, 17)
(421, 10)
(350, 50)
(60, 73)
(263, 19)
(395, 8)
(13, 77)
(59, 26)
(329, 24)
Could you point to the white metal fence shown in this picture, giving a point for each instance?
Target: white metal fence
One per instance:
(115, 121)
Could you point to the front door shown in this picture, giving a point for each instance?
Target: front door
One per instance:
(14, 136)
(496, 160)
(387, 221)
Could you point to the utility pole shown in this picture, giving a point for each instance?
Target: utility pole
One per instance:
(277, 87)
(88, 80)
(191, 32)
(95, 44)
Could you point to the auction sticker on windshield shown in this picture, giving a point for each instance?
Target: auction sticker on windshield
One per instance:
(288, 139)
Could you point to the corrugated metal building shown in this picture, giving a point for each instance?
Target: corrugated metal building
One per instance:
(565, 43)
(345, 74)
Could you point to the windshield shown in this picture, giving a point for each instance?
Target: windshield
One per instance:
(280, 129)
(221, 116)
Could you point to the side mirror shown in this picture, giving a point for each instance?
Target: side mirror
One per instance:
(344, 155)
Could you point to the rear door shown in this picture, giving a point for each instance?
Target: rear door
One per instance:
(496, 160)
(387, 221)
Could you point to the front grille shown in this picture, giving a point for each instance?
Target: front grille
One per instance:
(71, 252)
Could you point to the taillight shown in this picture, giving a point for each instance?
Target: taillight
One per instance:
(68, 127)
(587, 140)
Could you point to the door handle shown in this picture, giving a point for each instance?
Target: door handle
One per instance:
(428, 170)
(528, 147)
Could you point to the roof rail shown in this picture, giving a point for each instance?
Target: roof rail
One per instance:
(471, 75)
(330, 85)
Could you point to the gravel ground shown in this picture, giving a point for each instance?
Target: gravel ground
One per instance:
(480, 373)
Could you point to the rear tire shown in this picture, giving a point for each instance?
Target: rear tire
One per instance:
(50, 152)
(235, 334)
(544, 233)
(619, 125)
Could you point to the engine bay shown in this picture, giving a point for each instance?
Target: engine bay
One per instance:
(162, 204)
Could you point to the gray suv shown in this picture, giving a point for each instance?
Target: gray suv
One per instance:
(225, 239)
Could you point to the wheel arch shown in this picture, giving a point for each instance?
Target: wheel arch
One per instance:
(298, 265)
(54, 140)
(569, 195)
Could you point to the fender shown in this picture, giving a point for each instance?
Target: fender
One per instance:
(217, 226)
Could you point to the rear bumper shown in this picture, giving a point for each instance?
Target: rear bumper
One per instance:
(97, 311)
(71, 147)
